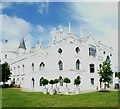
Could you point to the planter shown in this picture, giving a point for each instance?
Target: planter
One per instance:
(52, 91)
(57, 90)
(67, 91)
(77, 90)
(45, 91)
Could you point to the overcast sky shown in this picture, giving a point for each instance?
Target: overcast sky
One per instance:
(34, 21)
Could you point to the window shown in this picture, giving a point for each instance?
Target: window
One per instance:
(92, 68)
(59, 50)
(92, 51)
(78, 77)
(60, 65)
(100, 65)
(77, 49)
(32, 66)
(33, 82)
(41, 81)
(61, 81)
(18, 69)
(104, 52)
(42, 65)
(108, 58)
(92, 81)
(23, 68)
(5, 56)
(78, 65)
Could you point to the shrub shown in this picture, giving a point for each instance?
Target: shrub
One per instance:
(77, 81)
(44, 82)
(66, 80)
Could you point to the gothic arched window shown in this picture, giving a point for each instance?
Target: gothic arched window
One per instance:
(78, 64)
(60, 50)
(108, 58)
(33, 82)
(41, 81)
(77, 49)
(61, 81)
(42, 66)
(32, 66)
(60, 65)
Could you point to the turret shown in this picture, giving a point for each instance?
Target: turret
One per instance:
(22, 47)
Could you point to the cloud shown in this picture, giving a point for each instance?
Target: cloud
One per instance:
(14, 29)
(101, 19)
(40, 28)
(43, 7)
(4, 5)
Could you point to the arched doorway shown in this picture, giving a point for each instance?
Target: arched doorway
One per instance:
(33, 82)
(41, 81)
(61, 81)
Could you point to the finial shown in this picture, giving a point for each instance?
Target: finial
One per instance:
(40, 42)
(81, 33)
(69, 27)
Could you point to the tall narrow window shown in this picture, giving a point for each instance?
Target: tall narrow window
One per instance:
(5, 56)
(78, 65)
(18, 70)
(92, 69)
(41, 81)
(32, 66)
(42, 66)
(108, 58)
(92, 81)
(33, 82)
(92, 51)
(23, 68)
(61, 81)
(100, 65)
(60, 65)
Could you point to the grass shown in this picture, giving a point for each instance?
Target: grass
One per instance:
(12, 97)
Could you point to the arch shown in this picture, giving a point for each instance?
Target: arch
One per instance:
(33, 82)
(42, 66)
(108, 58)
(100, 65)
(78, 64)
(77, 49)
(32, 66)
(92, 69)
(59, 50)
(60, 63)
(61, 81)
(23, 67)
(41, 79)
(78, 77)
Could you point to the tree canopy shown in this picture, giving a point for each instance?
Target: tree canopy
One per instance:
(5, 72)
(105, 71)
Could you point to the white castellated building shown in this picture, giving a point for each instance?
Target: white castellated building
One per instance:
(67, 56)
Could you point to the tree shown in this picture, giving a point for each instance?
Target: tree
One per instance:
(105, 72)
(77, 82)
(56, 81)
(44, 82)
(51, 82)
(5, 72)
(66, 80)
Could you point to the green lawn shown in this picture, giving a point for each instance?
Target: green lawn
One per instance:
(16, 98)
